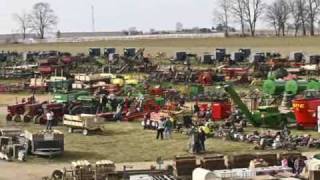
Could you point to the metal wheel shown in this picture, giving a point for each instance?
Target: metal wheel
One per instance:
(36, 119)
(85, 132)
(17, 118)
(57, 174)
(27, 118)
(9, 117)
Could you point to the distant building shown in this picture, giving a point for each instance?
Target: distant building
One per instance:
(90, 34)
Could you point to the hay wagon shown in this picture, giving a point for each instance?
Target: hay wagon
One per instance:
(85, 122)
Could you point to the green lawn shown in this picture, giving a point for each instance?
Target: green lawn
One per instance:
(128, 142)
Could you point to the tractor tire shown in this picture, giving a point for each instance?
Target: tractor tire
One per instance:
(70, 130)
(36, 119)
(85, 132)
(27, 118)
(57, 175)
(299, 127)
(9, 117)
(17, 118)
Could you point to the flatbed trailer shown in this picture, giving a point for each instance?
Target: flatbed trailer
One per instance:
(85, 122)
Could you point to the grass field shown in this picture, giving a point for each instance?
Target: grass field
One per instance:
(127, 142)
(170, 46)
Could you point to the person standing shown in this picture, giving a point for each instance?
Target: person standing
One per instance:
(202, 139)
(146, 120)
(298, 166)
(49, 116)
(168, 128)
(196, 108)
(160, 128)
(118, 114)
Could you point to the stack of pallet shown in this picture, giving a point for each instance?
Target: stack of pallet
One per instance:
(184, 165)
(82, 169)
(240, 161)
(215, 162)
(271, 159)
(103, 168)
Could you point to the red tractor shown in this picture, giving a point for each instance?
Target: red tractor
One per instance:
(57, 109)
(31, 111)
(15, 112)
(205, 78)
(34, 112)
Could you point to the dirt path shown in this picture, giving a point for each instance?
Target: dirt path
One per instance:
(27, 171)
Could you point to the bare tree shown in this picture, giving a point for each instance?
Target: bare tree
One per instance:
(303, 13)
(237, 9)
(252, 11)
(295, 14)
(23, 23)
(313, 7)
(223, 14)
(278, 14)
(179, 27)
(272, 17)
(42, 18)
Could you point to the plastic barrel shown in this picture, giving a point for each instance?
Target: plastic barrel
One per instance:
(272, 87)
(293, 87)
(160, 101)
(314, 85)
(195, 90)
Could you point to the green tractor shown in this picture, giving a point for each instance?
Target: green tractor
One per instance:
(85, 105)
(264, 116)
(68, 97)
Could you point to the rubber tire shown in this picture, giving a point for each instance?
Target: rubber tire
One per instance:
(36, 119)
(300, 127)
(9, 117)
(17, 118)
(85, 132)
(57, 175)
(27, 118)
(70, 130)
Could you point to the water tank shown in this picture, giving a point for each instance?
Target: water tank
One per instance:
(313, 85)
(181, 56)
(272, 87)
(94, 52)
(294, 87)
(108, 51)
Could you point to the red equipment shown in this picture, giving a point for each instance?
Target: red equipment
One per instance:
(46, 69)
(157, 91)
(305, 111)
(220, 110)
(232, 73)
(15, 112)
(205, 78)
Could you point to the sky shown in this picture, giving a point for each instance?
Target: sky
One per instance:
(115, 15)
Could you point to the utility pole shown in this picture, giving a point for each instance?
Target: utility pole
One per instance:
(93, 19)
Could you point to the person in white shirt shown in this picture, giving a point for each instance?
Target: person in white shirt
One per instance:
(49, 116)
(160, 128)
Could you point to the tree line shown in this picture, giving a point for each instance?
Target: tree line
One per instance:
(299, 16)
(39, 20)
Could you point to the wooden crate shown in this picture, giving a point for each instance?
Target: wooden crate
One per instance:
(184, 165)
(271, 158)
(240, 161)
